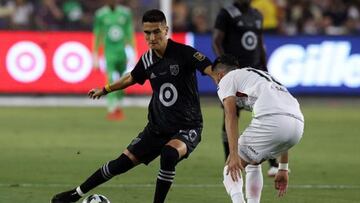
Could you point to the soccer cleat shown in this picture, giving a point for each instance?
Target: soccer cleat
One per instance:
(66, 197)
(272, 171)
(116, 115)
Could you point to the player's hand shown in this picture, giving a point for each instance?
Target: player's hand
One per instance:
(234, 166)
(281, 182)
(95, 93)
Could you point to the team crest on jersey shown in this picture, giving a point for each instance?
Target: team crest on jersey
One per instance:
(192, 135)
(199, 56)
(189, 135)
(174, 69)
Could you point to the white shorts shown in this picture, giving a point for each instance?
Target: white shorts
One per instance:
(268, 136)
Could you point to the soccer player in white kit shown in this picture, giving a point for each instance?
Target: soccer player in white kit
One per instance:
(276, 126)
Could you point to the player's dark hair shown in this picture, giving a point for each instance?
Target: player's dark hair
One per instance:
(228, 60)
(154, 16)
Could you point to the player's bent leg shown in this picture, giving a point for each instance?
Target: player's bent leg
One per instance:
(168, 159)
(234, 189)
(107, 171)
(254, 183)
(123, 163)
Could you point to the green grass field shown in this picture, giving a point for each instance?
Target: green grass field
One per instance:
(44, 151)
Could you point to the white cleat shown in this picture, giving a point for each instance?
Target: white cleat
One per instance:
(272, 171)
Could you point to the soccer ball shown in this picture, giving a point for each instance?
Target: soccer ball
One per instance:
(95, 198)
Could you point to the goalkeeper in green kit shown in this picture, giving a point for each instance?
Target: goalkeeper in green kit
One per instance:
(113, 29)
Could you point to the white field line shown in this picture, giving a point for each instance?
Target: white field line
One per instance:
(56, 185)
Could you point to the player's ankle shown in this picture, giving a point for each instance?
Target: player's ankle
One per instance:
(79, 191)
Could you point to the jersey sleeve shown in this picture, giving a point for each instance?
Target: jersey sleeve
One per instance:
(138, 73)
(197, 60)
(227, 87)
(222, 20)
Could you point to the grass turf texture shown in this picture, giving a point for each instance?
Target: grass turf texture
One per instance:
(48, 150)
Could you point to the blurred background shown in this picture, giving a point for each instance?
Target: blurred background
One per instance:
(312, 46)
(282, 17)
(49, 144)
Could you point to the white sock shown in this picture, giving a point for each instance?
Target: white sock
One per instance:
(78, 190)
(234, 189)
(254, 183)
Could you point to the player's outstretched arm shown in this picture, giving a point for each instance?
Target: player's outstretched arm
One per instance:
(210, 73)
(282, 176)
(124, 82)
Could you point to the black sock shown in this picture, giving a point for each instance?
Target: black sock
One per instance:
(168, 160)
(106, 172)
(273, 163)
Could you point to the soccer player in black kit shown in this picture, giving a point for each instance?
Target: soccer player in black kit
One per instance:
(238, 31)
(174, 119)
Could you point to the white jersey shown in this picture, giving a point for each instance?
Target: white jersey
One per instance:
(257, 91)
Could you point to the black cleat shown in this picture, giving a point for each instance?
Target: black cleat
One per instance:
(66, 197)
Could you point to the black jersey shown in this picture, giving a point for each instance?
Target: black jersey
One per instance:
(242, 34)
(175, 101)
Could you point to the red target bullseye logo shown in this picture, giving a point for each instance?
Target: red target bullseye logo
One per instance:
(72, 62)
(25, 61)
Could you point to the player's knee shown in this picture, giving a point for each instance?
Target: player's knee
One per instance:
(253, 168)
(118, 166)
(169, 157)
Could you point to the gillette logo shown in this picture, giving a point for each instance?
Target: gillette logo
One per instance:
(327, 64)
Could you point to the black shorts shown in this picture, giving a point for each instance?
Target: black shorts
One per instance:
(148, 144)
